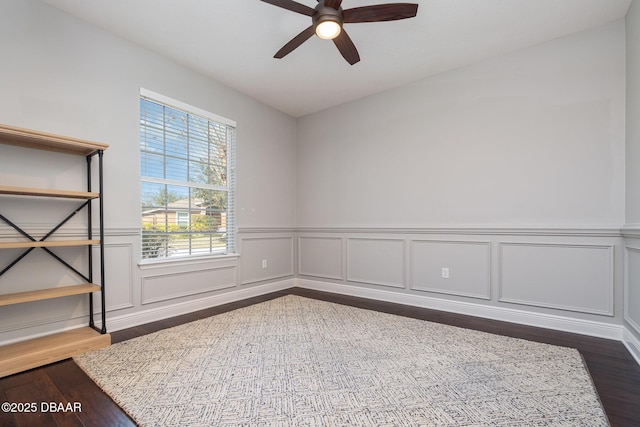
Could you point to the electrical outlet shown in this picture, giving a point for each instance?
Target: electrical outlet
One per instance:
(264, 263)
(445, 273)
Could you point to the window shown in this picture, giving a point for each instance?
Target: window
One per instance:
(187, 165)
(182, 218)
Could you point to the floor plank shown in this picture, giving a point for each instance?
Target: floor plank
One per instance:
(6, 418)
(19, 389)
(97, 407)
(615, 373)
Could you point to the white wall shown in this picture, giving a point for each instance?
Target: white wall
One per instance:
(510, 173)
(633, 112)
(65, 76)
(531, 138)
(632, 228)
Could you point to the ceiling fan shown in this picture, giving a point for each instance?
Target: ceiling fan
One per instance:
(328, 17)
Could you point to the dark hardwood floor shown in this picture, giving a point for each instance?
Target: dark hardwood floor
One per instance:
(615, 373)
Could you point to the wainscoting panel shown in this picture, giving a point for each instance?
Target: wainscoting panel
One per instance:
(376, 261)
(162, 287)
(118, 275)
(320, 257)
(632, 287)
(563, 276)
(266, 258)
(468, 264)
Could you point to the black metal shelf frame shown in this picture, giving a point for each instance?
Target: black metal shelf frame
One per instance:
(88, 204)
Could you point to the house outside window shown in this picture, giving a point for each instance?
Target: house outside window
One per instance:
(187, 168)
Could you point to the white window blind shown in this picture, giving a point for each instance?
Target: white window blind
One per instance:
(187, 168)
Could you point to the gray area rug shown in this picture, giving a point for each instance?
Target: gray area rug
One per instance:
(295, 361)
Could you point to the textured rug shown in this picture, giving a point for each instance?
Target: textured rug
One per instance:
(295, 361)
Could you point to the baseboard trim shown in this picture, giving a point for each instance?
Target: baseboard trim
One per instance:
(159, 313)
(559, 323)
(632, 343)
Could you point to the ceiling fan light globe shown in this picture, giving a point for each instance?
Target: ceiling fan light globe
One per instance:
(328, 30)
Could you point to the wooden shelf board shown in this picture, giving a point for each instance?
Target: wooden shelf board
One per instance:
(30, 354)
(20, 297)
(47, 244)
(41, 192)
(47, 141)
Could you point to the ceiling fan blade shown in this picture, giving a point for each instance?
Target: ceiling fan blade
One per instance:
(292, 6)
(346, 47)
(333, 3)
(380, 12)
(295, 42)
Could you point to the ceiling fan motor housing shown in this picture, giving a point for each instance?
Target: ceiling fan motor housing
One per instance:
(325, 13)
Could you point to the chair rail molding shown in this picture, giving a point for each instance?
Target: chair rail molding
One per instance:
(585, 231)
(631, 231)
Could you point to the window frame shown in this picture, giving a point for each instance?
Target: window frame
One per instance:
(183, 218)
(230, 188)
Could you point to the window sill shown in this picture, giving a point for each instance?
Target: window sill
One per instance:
(164, 263)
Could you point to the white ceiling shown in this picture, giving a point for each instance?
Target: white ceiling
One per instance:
(233, 41)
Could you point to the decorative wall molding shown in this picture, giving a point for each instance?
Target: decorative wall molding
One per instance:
(245, 239)
(262, 230)
(627, 316)
(135, 314)
(486, 289)
(320, 274)
(268, 274)
(634, 325)
(472, 230)
(353, 273)
(183, 291)
(631, 231)
(129, 284)
(265, 278)
(121, 231)
(632, 343)
(201, 261)
(609, 311)
(612, 231)
(124, 321)
(542, 320)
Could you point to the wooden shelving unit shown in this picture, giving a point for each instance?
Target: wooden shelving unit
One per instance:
(47, 141)
(63, 291)
(53, 244)
(23, 191)
(40, 351)
(51, 348)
